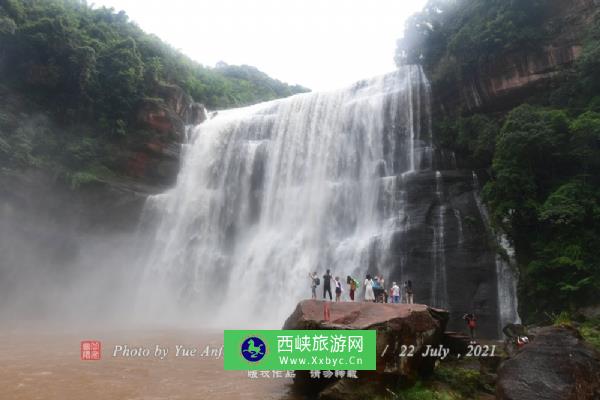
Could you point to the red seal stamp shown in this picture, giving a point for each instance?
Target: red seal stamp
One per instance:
(90, 350)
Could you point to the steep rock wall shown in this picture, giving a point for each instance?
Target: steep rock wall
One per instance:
(447, 232)
(156, 161)
(510, 77)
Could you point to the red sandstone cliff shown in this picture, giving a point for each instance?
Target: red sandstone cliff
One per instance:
(512, 76)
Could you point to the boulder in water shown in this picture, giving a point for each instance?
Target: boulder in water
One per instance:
(397, 325)
(556, 365)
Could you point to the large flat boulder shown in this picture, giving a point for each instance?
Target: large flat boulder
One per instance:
(396, 325)
(556, 365)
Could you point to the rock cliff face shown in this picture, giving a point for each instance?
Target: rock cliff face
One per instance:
(471, 250)
(448, 241)
(157, 160)
(512, 77)
(515, 75)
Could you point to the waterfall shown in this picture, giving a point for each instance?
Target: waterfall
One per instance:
(461, 235)
(268, 193)
(439, 289)
(507, 284)
(505, 268)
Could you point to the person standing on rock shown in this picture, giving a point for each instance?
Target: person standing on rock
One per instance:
(327, 285)
(376, 288)
(352, 284)
(395, 293)
(471, 321)
(338, 289)
(384, 294)
(409, 292)
(313, 284)
(369, 295)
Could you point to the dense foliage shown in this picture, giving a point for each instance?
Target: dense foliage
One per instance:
(543, 158)
(452, 37)
(249, 85)
(86, 65)
(94, 59)
(544, 193)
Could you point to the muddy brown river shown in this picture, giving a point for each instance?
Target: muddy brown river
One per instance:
(38, 364)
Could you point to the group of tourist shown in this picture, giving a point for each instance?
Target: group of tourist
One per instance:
(375, 291)
(374, 288)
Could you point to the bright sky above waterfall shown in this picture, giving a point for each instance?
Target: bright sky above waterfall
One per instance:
(321, 44)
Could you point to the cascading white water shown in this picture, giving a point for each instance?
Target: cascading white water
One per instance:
(505, 269)
(269, 193)
(507, 284)
(439, 289)
(459, 225)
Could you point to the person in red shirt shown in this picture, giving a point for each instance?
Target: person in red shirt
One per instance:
(471, 321)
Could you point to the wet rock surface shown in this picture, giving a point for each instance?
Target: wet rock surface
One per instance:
(156, 160)
(445, 233)
(556, 365)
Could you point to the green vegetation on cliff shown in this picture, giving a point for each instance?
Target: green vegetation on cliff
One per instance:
(542, 152)
(452, 37)
(544, 192)
(97, 61)
(88, 69)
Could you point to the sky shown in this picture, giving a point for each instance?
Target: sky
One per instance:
(320, 44)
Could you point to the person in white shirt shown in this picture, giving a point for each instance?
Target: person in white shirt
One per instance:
(395, 293)
(314, 282)
(338, 289)
(369, 294)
